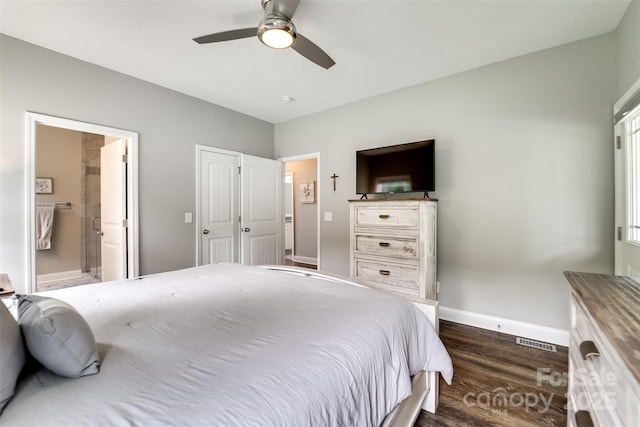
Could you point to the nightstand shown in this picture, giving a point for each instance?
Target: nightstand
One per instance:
(6, 288)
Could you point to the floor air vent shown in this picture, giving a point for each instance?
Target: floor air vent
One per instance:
(536, 344)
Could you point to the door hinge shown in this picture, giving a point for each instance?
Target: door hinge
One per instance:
(239, 169)
(125, 223)
(619, 233)
(618, 142)
(125, 158)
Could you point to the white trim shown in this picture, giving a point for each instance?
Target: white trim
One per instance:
(309, 156)
(507, 326)
(304, 260)
(200, 147)
(625, 98)
(56, 277)
(34, 119)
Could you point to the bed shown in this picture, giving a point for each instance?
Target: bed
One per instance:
(232, 345)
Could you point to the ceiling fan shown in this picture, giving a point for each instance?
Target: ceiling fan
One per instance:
(277, 31)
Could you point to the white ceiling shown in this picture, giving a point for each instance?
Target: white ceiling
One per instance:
(378, 45)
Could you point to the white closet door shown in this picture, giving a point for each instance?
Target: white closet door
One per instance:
(219, 207)
(261, 193)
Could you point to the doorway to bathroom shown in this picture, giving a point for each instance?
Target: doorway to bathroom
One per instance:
(301, 210)
(84, 227)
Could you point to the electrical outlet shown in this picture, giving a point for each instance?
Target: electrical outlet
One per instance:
(328, 216)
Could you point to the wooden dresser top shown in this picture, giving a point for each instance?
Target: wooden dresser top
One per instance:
(614, 303)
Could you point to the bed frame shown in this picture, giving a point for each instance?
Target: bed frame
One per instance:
(424, 386)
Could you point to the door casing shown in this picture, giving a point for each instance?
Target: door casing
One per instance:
(35, 119)
(318, 183)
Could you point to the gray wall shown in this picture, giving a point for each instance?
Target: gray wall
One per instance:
(628, 45)
(169, 124)
(524, 174)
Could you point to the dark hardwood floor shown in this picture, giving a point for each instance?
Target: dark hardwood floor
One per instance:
(497, 382)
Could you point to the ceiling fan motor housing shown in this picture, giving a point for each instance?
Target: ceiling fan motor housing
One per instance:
(276, 32)
(275, 29)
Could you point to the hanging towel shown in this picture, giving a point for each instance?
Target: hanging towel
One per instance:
(44, 225)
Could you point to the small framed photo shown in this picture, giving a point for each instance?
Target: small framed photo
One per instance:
(307, 193)
(44, 185)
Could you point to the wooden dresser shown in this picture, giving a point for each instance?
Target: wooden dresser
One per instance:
(604, 351)
(393, 245)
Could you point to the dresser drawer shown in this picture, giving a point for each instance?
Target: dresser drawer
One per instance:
(614, 396)
(396, 247)
(387, 217)
(403, 278)
(594, 391)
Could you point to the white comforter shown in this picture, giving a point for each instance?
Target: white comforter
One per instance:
(229, 345)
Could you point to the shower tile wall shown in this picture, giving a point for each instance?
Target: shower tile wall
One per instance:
(91, 261)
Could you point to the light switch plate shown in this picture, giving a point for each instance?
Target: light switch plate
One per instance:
(328, 216)
(188, 217)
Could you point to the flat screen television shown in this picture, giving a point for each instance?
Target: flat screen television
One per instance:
(399, 168)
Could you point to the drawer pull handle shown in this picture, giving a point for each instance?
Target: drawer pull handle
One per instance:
(383, 216)
(583, 419)
(384, 272)
(588, 349)
(384, 244)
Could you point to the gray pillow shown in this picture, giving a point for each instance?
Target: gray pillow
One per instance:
(11, 355)
(58, 337)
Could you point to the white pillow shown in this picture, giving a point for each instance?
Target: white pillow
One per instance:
(12, 355)
(58, 337)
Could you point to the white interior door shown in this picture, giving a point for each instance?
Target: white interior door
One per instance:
(219, 207)
(261, 211)
(113, 242)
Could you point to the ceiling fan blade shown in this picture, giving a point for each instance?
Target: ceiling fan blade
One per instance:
(285, 7)
(312, 52)
(224, 36)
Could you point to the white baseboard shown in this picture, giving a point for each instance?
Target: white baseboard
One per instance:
(507, 326)
(56, 277)
(304, 259)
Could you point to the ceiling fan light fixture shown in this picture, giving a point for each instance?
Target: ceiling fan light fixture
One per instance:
(277, 32)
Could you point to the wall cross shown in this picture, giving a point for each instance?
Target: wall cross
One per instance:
(334, 177)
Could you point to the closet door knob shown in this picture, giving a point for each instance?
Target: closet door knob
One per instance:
(205, 231)
(246, 229)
